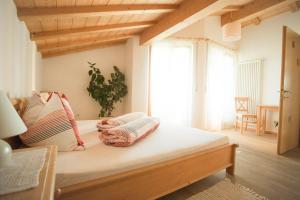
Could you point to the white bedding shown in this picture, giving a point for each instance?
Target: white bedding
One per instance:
(99, 160)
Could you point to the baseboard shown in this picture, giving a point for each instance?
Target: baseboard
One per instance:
(254, 129)
(248, 128)
(270, 132)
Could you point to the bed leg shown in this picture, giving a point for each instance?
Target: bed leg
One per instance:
(57, 194)
(230, 170)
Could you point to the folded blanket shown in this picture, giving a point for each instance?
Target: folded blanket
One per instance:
(117, 121)
(128, 134)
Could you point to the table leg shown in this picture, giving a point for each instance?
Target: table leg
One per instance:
(242, 125)
(258, 120)
(265, 121)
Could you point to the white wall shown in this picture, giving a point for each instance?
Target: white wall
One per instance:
(69, 74)
(137, 70)
(210, 28)
(38, 71)
(128, 74)
(264, 41)
(19, 61)
(195, 30)
(213, 31)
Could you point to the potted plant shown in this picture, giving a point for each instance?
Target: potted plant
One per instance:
(106, 93)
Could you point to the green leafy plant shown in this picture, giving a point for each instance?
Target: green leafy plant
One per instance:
(106, 93)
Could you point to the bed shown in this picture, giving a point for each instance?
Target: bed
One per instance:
(168, 159)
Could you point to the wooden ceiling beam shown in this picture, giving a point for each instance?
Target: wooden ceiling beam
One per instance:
(188, 13)
(81, 48)
(271, 13)
(232, 8)
(86, 30)
(252, 10)
(25, 14)
(56, 46)
(295, 6)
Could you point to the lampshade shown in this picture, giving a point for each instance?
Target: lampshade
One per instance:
(10, 122)
(232, 32)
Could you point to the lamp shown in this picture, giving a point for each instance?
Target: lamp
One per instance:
(232, 31)
(10, 125)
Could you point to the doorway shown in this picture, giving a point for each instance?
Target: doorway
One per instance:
(289, 114)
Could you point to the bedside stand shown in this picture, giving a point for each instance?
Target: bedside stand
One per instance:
(45, 189)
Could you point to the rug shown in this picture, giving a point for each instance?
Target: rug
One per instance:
(226, 190)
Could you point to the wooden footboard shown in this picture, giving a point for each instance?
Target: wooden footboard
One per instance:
(157, 180)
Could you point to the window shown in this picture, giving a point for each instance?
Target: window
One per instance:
(171, 82)
(220, 88)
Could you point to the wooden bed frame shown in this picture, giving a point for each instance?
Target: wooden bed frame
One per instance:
(153, 181)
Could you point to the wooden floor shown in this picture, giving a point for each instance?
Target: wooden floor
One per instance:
(264, 143)
(272, 176)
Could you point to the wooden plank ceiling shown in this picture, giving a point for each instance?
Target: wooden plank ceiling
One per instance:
(65, 26)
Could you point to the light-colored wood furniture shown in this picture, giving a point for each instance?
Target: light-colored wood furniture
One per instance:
(45, 189)
(152, 181)
(262, 116)
(243, 118)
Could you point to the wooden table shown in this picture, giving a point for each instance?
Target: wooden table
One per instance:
(45, 189)
(262, 116)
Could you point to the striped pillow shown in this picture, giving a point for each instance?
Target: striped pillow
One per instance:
(71, 117)
(70, 114)
(52, 127)
(33, 109)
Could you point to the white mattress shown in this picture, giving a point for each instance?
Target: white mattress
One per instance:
(99, 160)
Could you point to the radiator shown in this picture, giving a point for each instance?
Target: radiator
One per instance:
(249, 82)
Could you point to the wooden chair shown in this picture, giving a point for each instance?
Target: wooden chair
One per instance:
(242, 113)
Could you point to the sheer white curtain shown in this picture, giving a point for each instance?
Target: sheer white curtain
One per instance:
(17, 53)
(171, 81)
(220, 88)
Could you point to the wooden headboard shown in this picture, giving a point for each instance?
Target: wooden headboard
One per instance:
(20, 105)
